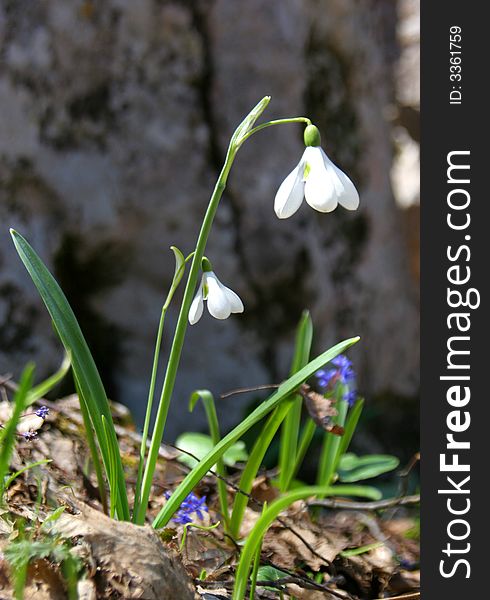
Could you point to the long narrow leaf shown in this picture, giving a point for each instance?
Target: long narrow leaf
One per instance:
(8, 433)
(92, 446)
(270, 514)
(290, 427)
(289, 435)
(41, 389)
(82, 362)
(257, 415)
(210, 407)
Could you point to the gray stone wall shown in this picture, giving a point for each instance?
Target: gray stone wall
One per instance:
(115, 117)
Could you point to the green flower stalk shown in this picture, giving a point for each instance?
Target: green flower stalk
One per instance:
(243, 132)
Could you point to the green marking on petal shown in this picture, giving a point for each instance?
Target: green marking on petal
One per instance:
(205, 291)
(306, 171)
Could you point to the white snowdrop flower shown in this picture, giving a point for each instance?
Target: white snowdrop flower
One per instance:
(221, 300)
(317, 179)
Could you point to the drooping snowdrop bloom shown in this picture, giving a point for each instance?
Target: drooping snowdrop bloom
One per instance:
(317, 179)
(221, 300)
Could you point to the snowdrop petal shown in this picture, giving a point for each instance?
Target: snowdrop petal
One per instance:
(322, 186)
(236, 304)
(290, 193)
(347, 194)
(197, 306)
(218, 304)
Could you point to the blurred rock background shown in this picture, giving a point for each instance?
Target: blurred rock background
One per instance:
(114, 121)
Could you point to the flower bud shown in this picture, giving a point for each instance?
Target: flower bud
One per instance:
(312, 136)
(206, 265)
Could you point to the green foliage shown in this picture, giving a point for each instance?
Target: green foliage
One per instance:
(290, 406)
(282, 408)
(180, 263)
(9, 431)
(11, 478)
(288, 450)
(358, 468)
(200, 444)
(36, 544)
(361, 549)
(41, 389)
(284, 391)
(84, 369)
(258, 531)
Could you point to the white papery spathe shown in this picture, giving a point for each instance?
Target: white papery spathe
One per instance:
(221, 301)
(319, 181)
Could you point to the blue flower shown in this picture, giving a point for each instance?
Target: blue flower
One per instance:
(29, 435)
(192, 505)
(42, 412)
(343, 374)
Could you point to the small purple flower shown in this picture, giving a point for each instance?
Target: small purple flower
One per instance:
(190, 506)
(42, 412)
(351, 397)
(29, 435)
(343, 374)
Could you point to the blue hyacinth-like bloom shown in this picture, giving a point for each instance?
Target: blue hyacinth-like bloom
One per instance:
(42, 412)
(192, 505)
(341, 373)
(29, 435)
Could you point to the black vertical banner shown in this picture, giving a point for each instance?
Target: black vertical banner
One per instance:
(455, 163)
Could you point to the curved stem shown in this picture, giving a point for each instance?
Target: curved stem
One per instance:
(178, 341)
(151, 391)
(149, 404)
(275, 122)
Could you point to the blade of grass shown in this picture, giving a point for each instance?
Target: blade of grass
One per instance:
(9, 431)
(13, 477)
(92, 446)
(253, 464)
(214, 431)
(285, 390)
(349, 428)
(41, 389)
(180, 262)
(300, 359)
(82, 362)
(269, 515)
(113, 471)
(331, 443)
(307, 434)
(292, 421)
(256, 563)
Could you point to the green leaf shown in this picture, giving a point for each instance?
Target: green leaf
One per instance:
(230, 455)
(361, 549)
(200, 444)
(290, 434)
(8, 432)
(41, 389)
(83, 364)
(54, 516)
(248, 122)
(268, 516)
(357, 468)
(283, 392)
(350, 426)
(178, 274)
(291, 425)
(268, 573)
(9, 480)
